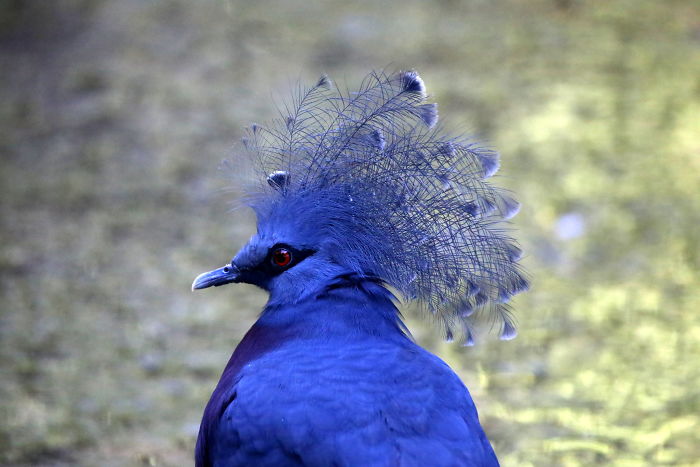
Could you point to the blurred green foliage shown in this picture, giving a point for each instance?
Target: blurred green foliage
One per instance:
(114, 115)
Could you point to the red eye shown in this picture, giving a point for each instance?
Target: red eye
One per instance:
(281, 257)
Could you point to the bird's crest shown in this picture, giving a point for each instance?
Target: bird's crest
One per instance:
(404, 202)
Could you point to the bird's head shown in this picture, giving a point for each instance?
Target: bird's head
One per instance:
(295, 252)
(365, 183)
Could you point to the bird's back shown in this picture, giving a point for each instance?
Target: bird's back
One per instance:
(338, 398)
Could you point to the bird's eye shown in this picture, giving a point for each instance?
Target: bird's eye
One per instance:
(281, 257)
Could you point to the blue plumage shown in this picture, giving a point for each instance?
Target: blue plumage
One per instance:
(360, 191)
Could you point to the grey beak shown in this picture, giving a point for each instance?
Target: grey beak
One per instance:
(217, 277)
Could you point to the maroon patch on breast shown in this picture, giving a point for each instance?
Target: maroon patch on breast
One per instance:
(259, 340)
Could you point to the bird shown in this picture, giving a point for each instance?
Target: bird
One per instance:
(365, 205)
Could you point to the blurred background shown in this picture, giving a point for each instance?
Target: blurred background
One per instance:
(114, 117)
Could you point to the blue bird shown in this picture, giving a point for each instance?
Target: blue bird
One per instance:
(359, 193)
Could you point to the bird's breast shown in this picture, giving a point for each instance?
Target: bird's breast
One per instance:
(320, 402)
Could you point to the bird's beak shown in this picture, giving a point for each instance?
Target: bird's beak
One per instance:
(217, 277)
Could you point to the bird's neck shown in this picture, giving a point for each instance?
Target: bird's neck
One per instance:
(349, 308)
